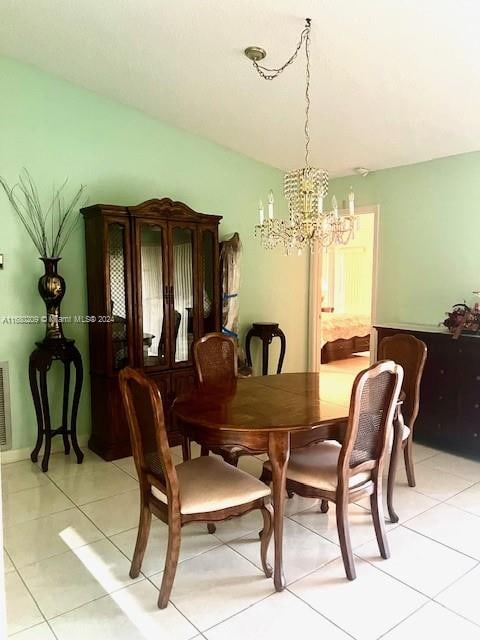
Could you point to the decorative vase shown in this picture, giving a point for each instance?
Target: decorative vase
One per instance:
(51, 287)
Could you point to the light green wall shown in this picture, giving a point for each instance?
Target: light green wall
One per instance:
(58, 130)
(429, 235)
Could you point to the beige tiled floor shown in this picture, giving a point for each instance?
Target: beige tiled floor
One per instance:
(69, 541)
(69, 536)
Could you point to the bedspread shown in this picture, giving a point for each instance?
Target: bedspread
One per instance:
(343, 325)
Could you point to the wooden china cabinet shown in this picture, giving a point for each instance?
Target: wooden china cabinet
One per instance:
(153, 288)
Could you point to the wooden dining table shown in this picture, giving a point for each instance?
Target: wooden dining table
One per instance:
(264, 414)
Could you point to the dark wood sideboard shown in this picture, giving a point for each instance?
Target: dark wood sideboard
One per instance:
(449, 416)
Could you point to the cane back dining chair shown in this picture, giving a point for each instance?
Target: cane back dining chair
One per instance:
(215, 357)
(343, 473)
(205, 489)
(411, 353)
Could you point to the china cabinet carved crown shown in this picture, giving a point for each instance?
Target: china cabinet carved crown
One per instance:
(153, 288)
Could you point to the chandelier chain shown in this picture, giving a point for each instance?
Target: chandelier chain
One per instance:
(307, 95)
(271, 74)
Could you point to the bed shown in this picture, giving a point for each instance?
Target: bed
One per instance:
(344, 334)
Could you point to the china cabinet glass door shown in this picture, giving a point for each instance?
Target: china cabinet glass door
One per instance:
(117, 316)
(183, 299)
(154, 294)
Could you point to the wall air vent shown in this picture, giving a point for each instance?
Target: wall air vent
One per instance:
(5, 416)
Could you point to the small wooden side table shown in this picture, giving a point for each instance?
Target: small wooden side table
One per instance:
(266, 331)
(40, 362)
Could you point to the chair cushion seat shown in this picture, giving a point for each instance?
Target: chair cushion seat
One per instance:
(210, 484)
(317, 466)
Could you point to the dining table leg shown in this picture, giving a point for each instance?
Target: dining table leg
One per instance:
(278, 453)
(394, 457)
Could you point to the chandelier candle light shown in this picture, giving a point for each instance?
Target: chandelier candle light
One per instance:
(308, 226)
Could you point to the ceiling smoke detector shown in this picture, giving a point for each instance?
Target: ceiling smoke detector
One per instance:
(362, 171)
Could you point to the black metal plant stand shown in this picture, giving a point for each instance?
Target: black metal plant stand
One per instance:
(40, 362)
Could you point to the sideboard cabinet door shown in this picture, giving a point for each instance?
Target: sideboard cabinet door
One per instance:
(449, 414)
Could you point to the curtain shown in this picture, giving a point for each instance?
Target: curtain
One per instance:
(183, 297)
(152, 299)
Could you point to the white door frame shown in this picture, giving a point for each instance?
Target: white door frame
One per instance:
(315, 295)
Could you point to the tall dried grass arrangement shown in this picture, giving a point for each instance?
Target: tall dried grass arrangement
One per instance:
(50, 228)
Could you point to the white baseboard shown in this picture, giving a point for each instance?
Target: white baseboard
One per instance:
(15, 455)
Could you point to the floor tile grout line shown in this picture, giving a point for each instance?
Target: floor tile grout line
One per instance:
(449, 472)
(428, 599)
(476, 566)
(8, 492)
(406, 584)
(295, 595)
(423, 535)
(217, 546)
(183, 616)
(53, 632)
(31, 595)
(398, 624)
(439, 542)
(103, 595)
(228, 617)
(457, 613)
(45, 515)
(290, 584)
(233, 615)
(85, 504)
(78, 504)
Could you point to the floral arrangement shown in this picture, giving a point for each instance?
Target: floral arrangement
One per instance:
(49, 227)
(463, 318)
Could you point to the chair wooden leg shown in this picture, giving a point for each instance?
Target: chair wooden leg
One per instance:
(231, 458)
(266, 477)
(376, 507)
(186, 449)
(408, 455)
(265, 537)
(142, 539)
(392, 469)
(324, 506)
(211, 527)
(171, 561)
(204, 450)
(344, 537)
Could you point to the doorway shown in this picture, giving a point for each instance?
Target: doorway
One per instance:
(342, 307)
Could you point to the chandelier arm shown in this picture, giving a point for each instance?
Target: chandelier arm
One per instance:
(271, 74)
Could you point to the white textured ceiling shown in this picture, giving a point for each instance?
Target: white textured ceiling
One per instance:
(393, 81)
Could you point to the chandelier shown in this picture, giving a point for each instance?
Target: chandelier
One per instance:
(308, 225)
